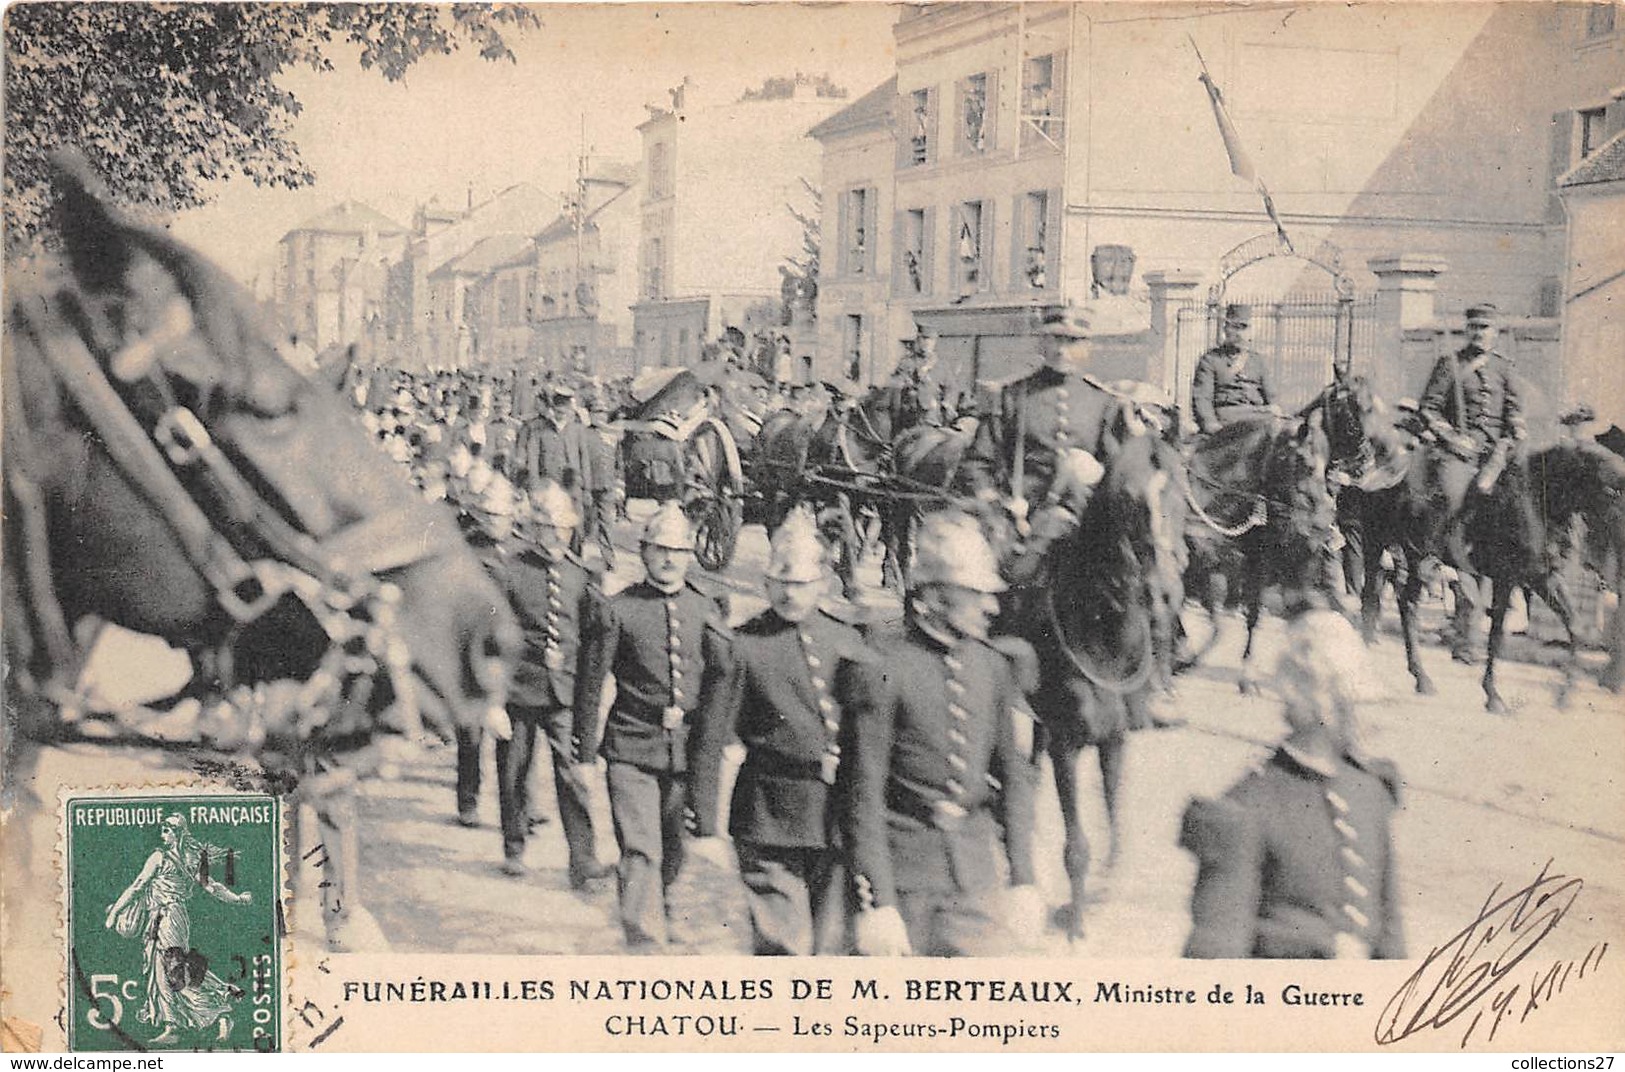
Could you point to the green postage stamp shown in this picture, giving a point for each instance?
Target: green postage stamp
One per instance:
(172, 936)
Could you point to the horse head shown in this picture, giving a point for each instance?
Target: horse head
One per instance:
(136, 349)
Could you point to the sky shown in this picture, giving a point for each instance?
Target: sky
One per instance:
(458, 122)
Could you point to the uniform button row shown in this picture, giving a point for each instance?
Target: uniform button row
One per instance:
(1339, 805)
(1355, 886)
(1352, 858)
(1359, 918)
(1346, 830)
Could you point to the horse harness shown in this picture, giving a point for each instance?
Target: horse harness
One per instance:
(164, 450)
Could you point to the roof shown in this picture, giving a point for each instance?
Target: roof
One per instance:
(563, 227)
(487, 255)
(351, 217)
(874, 108)
(1607, 164)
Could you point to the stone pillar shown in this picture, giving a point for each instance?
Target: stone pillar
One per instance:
(1170, 292)
(1407, 329)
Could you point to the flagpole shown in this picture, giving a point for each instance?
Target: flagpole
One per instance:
(1240, 165)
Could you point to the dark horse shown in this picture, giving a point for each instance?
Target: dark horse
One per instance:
(1262, 516)
(1513, 535)
(1098, 606)
(168, 471)
(840, 462)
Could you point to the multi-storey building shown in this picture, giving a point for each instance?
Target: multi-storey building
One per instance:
(717, 177)
(426, 323)
(1025, 137)
(331, 276)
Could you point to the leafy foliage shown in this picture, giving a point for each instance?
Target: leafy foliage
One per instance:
(798, 276)
(165, 98)
(785, 88)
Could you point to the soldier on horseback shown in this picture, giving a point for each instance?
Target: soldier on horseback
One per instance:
(1473, 393)
(1230, 382)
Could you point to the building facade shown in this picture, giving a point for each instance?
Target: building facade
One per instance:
(331, 276)
(716, 180)
(1027, 137)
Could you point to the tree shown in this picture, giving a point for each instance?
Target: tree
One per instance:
(164, 99)
(798, 282)
(785, 88)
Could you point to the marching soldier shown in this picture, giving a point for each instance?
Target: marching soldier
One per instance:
(487, 522)
(551, 592)
(779, 699)
(604, 447)
(930, 770)
(1230, 382)
(1296, 860)
(665, 642)
(553, 446)
(1475, 393)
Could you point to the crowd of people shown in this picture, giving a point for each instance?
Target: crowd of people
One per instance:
(883, 800)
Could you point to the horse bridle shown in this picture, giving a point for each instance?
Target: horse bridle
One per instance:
(336, 576)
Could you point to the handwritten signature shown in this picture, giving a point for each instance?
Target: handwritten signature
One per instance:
(1469, 975)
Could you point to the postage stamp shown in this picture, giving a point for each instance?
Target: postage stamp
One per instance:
(172, 935)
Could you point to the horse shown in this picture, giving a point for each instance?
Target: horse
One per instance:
(167, 471)
(1095, 600)
(1506, 535)
(1261, 513)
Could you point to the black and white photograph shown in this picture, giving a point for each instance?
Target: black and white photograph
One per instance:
(1069, 483)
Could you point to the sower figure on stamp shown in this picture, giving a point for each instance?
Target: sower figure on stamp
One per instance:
(551, 592)
(931, 777)
(665, 643)
(487, 523)
(1230, 383)
(1296, 860)
(779, 700)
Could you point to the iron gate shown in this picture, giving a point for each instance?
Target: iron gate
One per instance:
(1298, 337)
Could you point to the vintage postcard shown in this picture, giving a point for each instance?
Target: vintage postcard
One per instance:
(840, 527)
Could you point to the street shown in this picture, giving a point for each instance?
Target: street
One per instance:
(1486, 800)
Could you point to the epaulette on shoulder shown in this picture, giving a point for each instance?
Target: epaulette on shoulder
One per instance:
(1218, 829)
(1384, 770)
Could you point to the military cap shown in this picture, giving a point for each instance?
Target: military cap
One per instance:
(1482, 313)
(797, 554)
(1066, 324)
(1238, 313)
(669, 527)
(562, 390)
(952, 550)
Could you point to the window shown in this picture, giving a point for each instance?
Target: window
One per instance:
(917, 147)
(976, 111)
(659, 171)
(857, 228)
(1033, 241)
(973, 225)
(1599, 20)
(852, 346)
(913, 273)
(1043, 101)
(1593, 130)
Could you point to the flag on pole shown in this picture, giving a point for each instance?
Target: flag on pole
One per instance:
(1241, 165)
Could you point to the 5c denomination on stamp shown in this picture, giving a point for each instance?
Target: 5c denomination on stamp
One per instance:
(172, 939)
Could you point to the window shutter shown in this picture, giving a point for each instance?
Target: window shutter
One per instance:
(928, 255)
(1052, 241)
(899, 236)
(871, 229)
(934, 127)
(990, 117)
(961, 142)
(904, 129)
(1058, 96)
(843, 233)
(985, 282)
(1020, 227)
